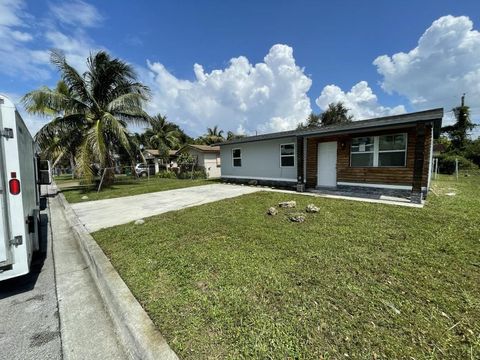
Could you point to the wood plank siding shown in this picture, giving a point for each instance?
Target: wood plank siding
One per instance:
(371, 175)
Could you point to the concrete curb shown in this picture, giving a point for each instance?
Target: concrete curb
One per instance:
(137, 333)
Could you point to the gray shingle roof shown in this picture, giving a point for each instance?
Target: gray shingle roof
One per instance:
(433, 115)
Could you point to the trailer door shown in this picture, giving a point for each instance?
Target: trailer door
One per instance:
(4, 238)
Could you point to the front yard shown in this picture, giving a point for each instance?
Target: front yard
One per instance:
(74, 192)
(356, 280)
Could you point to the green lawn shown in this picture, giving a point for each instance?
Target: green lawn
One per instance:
(74, 192)
(367, 281)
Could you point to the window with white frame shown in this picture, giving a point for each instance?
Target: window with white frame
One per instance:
(379, 151)
(287, 155)
(237, 157)
(362, 151)
(392, 150)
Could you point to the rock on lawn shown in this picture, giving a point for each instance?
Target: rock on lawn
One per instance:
(288, 204)
(272, 211)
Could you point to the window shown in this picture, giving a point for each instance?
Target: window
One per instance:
(287, 155)
(379, 151)
(392, 150)
(362, 151)
(237, 157)
(219, 161)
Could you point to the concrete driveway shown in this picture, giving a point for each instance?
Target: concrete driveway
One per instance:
(99, 214)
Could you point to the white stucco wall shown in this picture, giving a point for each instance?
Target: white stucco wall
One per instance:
(208, 161)
(210, 164)
(260, 160)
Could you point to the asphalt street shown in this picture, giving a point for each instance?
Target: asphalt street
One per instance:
(29, 325)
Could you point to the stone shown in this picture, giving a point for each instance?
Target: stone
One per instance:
(297, 218)
(139, 222)
(288, 204)
(84, 197)
(311, 208)
(272, 211)
(253, 182)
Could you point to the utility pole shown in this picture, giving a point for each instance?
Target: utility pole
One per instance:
(463, 100)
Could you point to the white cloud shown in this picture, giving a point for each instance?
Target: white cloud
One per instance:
(15, 39)
(77, 46)
(28, 59)
(76, 12)
(361, 101)
(268, 96)
(444, 64)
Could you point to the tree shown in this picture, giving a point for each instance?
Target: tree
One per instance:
(313, 120)
(162, 134)
(336, 113)
(459, 132)
(55, 139)
(472, 151)
(213, 135)
(100, 103)
(232, 136)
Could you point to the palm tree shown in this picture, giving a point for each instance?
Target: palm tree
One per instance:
(56, 139)
(336, 113)
(232, 136)
(100, 104)
(162, 133)
(213, 135)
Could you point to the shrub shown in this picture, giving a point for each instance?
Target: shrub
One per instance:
(167, 175)
(197, 174)
(446, 163)
(186, 161)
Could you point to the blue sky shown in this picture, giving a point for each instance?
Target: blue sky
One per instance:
(317, 51)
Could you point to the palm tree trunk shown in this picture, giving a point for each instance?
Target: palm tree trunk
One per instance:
(72, 165)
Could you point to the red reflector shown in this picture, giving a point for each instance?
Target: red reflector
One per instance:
(14, 185)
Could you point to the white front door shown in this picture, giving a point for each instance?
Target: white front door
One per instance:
(327, 164)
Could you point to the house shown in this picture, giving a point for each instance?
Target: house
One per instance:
(207, 158)
(393, 152)
(152, 157)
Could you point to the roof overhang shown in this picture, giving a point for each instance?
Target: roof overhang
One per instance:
(432, 117)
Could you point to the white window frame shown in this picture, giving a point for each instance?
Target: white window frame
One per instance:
(376, 152)
(375, 147)
(294, 155)
(392, 151)
(235, 158)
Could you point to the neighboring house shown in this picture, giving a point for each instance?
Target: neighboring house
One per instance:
(152, 157)
(207, 157)
(393, 152)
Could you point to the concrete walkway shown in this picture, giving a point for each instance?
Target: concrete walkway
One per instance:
(99, 214)
(86, 327)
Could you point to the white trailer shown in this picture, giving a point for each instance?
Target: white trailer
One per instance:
(20, 179)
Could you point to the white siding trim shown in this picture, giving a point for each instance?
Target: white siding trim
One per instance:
(383, 186)
(257, 178)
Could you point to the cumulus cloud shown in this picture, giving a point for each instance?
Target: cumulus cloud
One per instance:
(361, 101)
(268, 96)
(444, 64)
(76, 12)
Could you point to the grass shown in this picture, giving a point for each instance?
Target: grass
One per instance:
(356, 280)
(74, 192)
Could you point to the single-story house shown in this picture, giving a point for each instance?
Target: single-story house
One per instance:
(206, 157)
(393, 152)
(152, 157)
